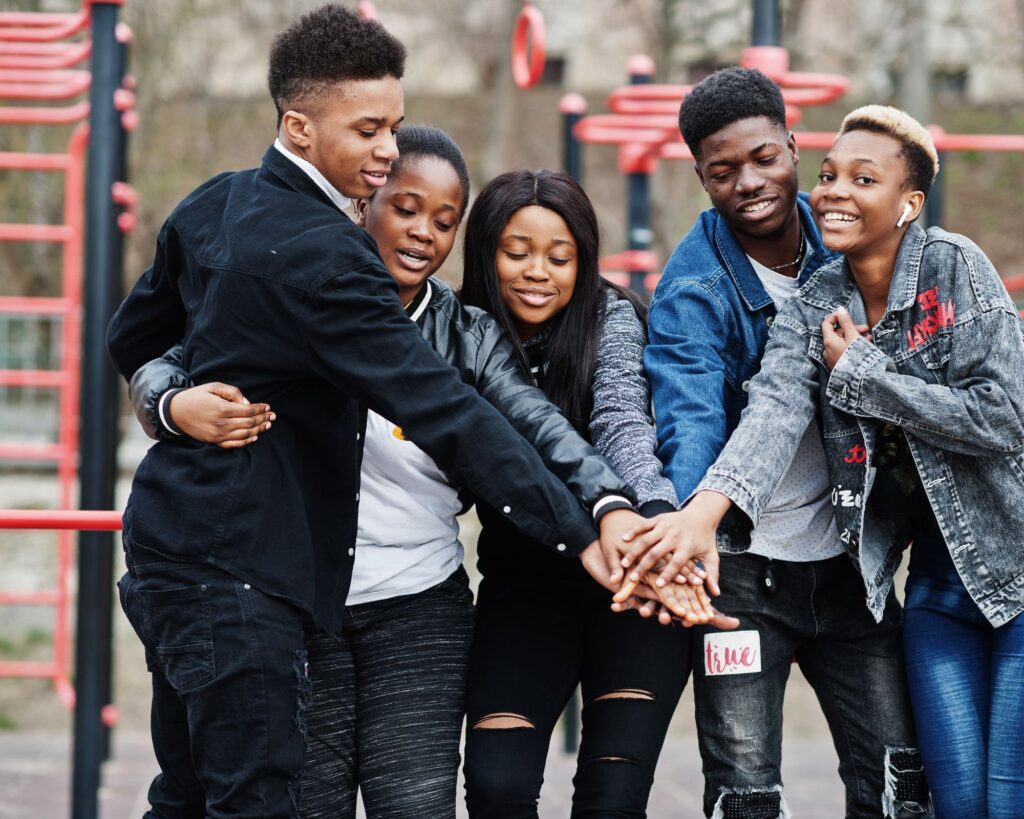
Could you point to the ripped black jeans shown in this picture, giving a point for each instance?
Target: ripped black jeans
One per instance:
(536, 638)
(230, 687)
(813, 612)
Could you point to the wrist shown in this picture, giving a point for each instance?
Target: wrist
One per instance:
(164, 411)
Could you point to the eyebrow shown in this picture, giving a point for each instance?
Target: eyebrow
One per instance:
(522, 238)
(756, 150)
(376, 121)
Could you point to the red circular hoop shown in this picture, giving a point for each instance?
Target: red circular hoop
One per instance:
(528, 54)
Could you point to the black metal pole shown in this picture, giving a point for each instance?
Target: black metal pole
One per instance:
(933, 204)
(112, 273)
(572, 108)
(766, 23)
(638, 188)
(98, 425)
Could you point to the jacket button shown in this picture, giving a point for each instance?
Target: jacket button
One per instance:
(770, 320)
(745, 386)
(560, 547)
(351, 551)
(506, 509)
(357, 436)
(357, 497)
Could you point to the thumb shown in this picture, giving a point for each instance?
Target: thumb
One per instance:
(846, 325)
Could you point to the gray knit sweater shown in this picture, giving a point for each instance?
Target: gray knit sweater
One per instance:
(621, 425)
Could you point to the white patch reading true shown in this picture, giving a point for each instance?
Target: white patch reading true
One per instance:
(732, 652)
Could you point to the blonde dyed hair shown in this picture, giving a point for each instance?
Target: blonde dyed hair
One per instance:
(917, 145)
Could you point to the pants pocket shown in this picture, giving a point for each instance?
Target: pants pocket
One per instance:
(180, 632)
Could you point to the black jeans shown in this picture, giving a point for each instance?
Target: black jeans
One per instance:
(537, 638)
(815, 613)
(230, 687)
(386, 714)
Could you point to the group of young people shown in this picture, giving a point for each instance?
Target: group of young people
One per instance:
(830, 381)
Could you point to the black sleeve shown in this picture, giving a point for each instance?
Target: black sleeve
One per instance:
(361, 340)
(152, 317)
(148, 386)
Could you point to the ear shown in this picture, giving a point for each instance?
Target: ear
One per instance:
(298, 128)
(362, 205)
(700, 174)
(916, 202)
(791, 144)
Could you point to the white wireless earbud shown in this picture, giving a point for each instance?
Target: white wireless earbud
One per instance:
(907, 208)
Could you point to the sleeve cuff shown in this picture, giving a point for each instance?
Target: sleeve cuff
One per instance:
(653, 508)
(845, 380)
(609, 503)
(735, 489)
(163, 413)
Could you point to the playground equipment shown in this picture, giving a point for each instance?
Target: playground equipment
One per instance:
(39, 53)
(642, 121)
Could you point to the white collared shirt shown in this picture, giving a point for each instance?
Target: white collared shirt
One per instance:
(337, 197)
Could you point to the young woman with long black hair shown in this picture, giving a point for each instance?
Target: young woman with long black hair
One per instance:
(543, 627)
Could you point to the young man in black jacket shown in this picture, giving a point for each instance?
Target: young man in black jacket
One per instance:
(232, 554)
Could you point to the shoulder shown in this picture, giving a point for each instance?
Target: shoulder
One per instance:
(460, 318)
(620, 314)
(952, 254)
(696, 259)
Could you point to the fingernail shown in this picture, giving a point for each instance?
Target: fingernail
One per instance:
(660, 582)
(273, 416)
(634, 577)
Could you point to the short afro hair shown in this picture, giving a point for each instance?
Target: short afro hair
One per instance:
(917, 148)
(725, 97)
(327, 46)
(425, 141)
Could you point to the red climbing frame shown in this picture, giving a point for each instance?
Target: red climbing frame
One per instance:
(36, 67)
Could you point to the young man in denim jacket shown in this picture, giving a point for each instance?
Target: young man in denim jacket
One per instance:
(796, 593)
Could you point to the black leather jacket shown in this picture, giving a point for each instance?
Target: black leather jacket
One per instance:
(471, 341)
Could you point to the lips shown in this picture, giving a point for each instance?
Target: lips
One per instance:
(376, 179)
(533, 296)
(758, 208)
(413, 259)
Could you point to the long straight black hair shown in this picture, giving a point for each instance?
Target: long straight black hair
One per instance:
(571, 353)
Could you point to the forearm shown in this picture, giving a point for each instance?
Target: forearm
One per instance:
(979, 412)
(148, 392)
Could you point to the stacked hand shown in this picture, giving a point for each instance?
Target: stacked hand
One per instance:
(673, 560)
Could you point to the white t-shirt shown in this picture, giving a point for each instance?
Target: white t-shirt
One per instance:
(407, 539)
(797, 524)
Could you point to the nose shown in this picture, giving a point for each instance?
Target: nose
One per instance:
(387, 148)
(419, 229)
(749, 180)
(536, 270)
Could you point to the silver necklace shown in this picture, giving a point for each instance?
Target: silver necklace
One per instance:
(799, 254)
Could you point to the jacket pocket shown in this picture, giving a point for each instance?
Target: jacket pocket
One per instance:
(180, 629)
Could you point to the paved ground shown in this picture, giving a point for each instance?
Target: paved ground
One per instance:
(35, 768)
(34, 779)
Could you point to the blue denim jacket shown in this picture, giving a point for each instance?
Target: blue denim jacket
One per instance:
(947, 366)
(708, 326)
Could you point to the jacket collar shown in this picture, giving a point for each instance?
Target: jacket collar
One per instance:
(742, 272)
(293, 176)
(904, 285)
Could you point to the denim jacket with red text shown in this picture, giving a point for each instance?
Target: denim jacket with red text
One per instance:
(947, 366)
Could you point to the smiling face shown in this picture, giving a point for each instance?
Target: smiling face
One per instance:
(414, 219)
(536, 263)
(861, 192)
(748, 169)
(350, 137)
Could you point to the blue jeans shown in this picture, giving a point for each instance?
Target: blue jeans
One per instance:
(967, 690)
(230, 687)
(813, 612)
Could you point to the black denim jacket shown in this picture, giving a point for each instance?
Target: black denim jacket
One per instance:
(470, 340)
(271, 288)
